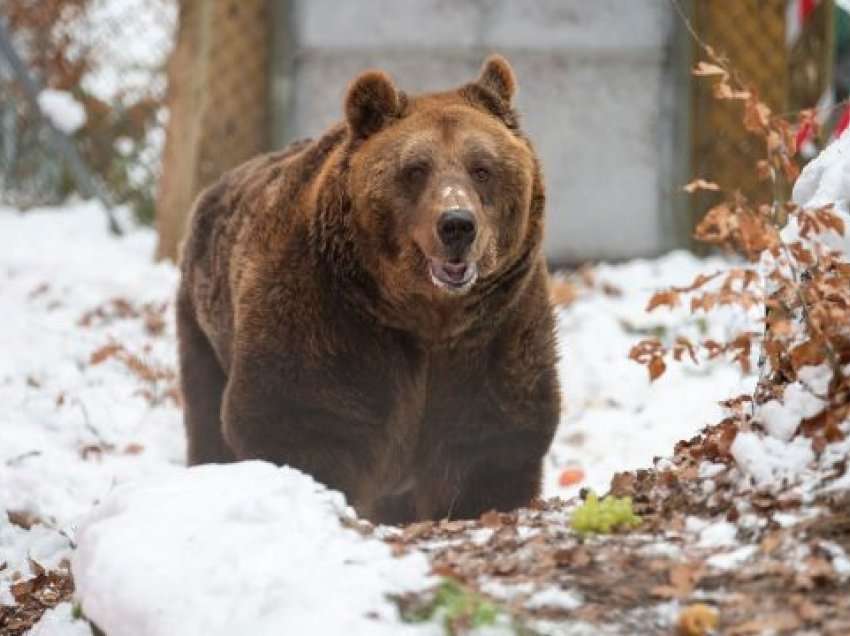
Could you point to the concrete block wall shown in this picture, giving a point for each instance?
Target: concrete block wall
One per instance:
(594, 95)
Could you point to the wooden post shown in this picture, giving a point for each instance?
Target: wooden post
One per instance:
(218, 104)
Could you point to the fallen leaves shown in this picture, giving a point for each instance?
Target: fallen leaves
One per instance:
(151, 314)
(160, 382)
(650, 352)
(25, 519)
(698, 619)
(565, 290)
(683, 578)
(623, 579)
(667, 297)
(784, 621)
(33, 596)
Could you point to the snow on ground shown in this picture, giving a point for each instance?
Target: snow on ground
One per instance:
(87, 387)
(615, 419)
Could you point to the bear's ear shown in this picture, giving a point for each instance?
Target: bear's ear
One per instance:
(372, 99)
(498, 76)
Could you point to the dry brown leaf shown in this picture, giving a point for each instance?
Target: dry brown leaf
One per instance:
(23, 518)
(667, 297)
(577, 557)
(756, 115)
(657, 367)
(717, 225)
(722, 90)
(683, 578)
(810, 352)
(778, 621)
(704, 69)
(697, 620)
(770, 542)
(105, 352)
(562, 292)
(700, 184)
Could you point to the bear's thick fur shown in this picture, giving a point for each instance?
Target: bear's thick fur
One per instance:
(372, 307)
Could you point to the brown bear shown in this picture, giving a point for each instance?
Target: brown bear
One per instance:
(372, 306)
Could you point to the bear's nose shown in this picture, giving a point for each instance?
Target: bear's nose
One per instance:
(456, 228)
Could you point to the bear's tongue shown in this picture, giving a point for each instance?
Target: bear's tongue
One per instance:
(452, 274)
(455, 272)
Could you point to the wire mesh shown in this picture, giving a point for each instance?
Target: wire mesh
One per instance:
(786, 59)
(750, 34)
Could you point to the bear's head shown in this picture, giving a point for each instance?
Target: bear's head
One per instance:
(445, 190)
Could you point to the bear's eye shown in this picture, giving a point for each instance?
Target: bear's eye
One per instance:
(415, 172)
(481, 174)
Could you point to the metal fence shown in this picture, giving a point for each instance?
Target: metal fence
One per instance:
(784, 50)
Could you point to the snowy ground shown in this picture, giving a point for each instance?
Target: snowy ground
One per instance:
(90, 414)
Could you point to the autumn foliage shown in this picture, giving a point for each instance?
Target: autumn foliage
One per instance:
(803, 285)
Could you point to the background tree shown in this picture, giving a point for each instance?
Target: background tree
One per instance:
(217, 84)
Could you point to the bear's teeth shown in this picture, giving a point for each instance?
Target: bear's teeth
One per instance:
(455, 277)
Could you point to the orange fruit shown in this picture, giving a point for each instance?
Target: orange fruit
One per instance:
(571, 477)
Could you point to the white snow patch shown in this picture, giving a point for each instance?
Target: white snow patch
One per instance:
(826, 179)
(556, 598)
(502, 591)
(695, 524)
(60, 621)
(480, 536)
(662, 549)
(244, 548)
(816, 377)
(707, 469)
(63, 111)
(778, 421)
(769, 460)
(613, 417)
(800, 400)
(840, 562)
(733, 559)
(751, 521)
(720, 533)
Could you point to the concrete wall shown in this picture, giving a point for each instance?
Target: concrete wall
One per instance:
(596, 95)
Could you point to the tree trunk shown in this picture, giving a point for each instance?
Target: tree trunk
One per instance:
(218, 104)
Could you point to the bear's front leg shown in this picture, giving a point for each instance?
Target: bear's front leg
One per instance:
(272, 416)
(490, 423)
(464, 480)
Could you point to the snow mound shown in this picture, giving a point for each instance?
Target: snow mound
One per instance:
(826, 179)
(245, 548)
(781, 455)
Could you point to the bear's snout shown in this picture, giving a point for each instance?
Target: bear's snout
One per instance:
(456, 229)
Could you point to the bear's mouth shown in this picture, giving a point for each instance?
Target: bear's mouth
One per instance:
(454, 276)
